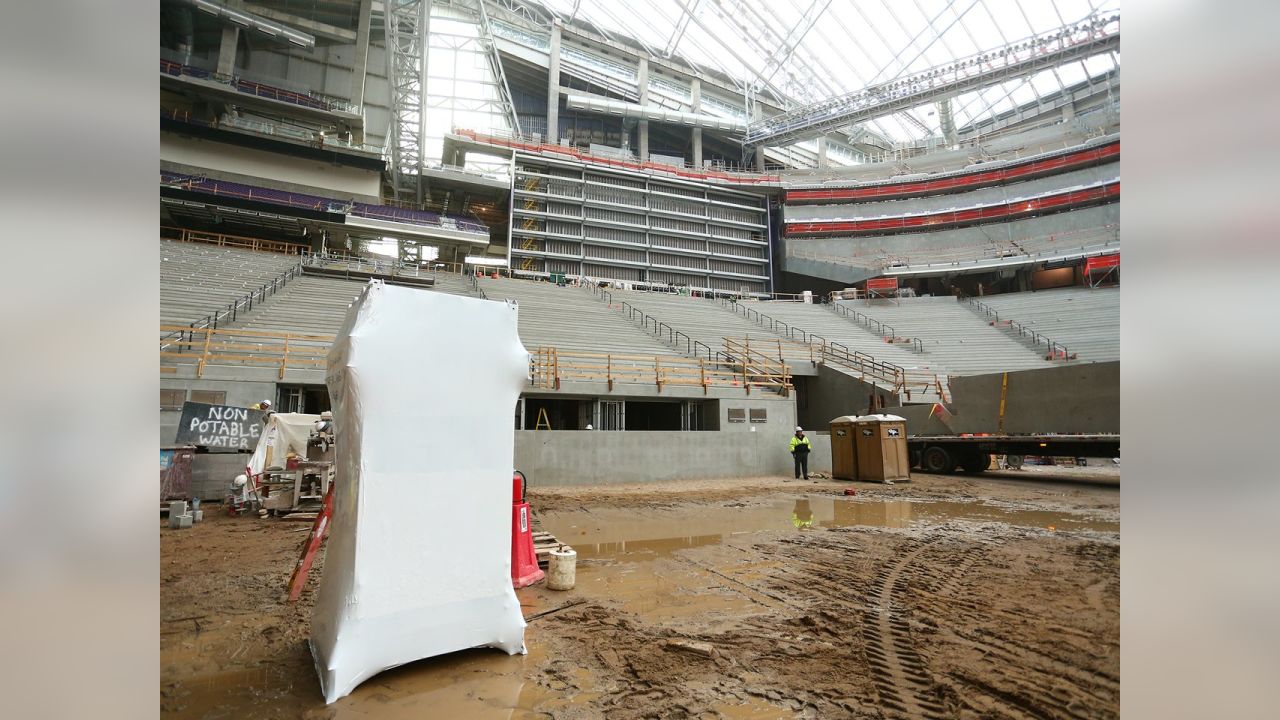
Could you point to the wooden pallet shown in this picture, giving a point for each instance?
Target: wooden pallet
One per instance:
(543, 544)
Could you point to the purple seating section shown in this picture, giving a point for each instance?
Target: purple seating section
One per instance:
(316, 202)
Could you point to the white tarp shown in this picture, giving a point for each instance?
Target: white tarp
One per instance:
(419, 554)
(284, 432)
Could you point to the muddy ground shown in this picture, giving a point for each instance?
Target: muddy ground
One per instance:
(948, 597)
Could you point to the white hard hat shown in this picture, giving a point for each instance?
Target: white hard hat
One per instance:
(326, 414)
(266, 403)
(240, 480)
(799, 429)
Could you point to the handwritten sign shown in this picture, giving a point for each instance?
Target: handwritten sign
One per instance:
(219, 426)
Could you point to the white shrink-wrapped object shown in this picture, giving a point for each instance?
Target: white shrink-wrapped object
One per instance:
(419, 554)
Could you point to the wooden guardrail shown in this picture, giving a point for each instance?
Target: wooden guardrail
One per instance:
(552, 366)
(180, 344)
(223, 240)
(776, 348)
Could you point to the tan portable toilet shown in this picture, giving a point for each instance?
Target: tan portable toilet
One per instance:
(844, 457)
(881, 448)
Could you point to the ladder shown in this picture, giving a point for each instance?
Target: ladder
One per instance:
(298, 578)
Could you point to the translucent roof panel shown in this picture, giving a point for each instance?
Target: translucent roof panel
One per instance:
(794, 52)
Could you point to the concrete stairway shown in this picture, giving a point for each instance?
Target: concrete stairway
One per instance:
(571, 318)
(821, 320)
(954, 336)
(314, 305)
(197, 280)
(307, 306)
(454, 284)
(1086, 321)
(707, 321)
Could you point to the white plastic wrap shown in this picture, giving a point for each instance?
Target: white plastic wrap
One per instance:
(424, 386)
(284, 432)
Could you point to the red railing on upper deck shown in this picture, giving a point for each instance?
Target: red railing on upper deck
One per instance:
(1015, 172)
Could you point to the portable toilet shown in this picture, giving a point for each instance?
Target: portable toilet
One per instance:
(844, 457)
(880, 448)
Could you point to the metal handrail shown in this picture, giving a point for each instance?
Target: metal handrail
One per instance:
(232, 310)
(883, 329)
(1055, 350)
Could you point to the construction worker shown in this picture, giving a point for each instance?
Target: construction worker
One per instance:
(800, 448)
(265, 407)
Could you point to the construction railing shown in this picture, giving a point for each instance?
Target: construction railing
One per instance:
(550, 367)
(1054, 350)
(224, 240)
(374, 266)
(252, 87)
(254, 348)
(778, 349)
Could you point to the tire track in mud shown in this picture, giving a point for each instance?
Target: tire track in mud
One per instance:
(901, 678)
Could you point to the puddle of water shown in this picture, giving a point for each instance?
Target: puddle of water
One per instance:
(483, 684)
(632, 535)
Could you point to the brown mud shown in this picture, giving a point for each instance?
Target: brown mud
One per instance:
(946, 597)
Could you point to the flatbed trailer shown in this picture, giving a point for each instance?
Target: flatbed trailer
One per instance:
(972, 453)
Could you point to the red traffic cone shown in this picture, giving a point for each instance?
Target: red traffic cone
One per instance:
(524, 561)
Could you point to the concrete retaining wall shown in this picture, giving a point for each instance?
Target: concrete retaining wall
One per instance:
(567, 457)
(834, 394)
(1081, 398)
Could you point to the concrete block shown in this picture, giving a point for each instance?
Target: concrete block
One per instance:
(177, 507)
(198, 516)
(175, 521)
(184, 521)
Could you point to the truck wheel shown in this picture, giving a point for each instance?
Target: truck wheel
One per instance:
(1013, 462)
(937, 460)
(975, 462)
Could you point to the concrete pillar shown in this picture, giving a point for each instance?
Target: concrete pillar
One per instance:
(947, 123)
(642, 80)
(1068, 112)
(553, 85)
(822, 153)
(360, 64)
(696, 89)
(756, 114)
(227, 50)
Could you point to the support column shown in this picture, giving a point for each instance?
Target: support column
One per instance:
(822, 153)
(947, 123)
(1068, 112)
(696, 90)
(553, 86)
(227, 50)
(360, 64)
(756, 114)
(642, 80)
